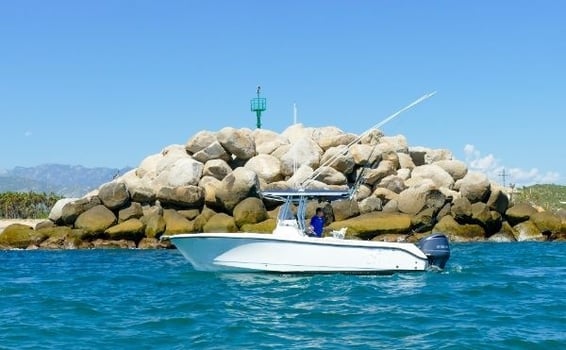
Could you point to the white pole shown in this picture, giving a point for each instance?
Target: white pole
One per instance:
(294, 113)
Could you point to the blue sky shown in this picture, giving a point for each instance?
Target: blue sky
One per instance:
(106, 83)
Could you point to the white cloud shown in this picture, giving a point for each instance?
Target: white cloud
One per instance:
(27, 133)
(493, 168)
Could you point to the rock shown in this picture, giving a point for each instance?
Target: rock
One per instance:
(183, 172)
(392, 157)
(548, 223)
(371, 137)
(391, 206)
(266, 226)
(459, 232)
(44, 224)
(303, 152)
(183, 196)
(527, 231)
(96, 220)
(210, 185)
(424, 220)
(200, 141)
(113, 244)
(21, 236)
(153, 210)
(344, 209)
(267, 141)
(474, 186)
(216, 168)
(362, 192)
(414, 199)
(438, 175)
(326, 142)
(519, 213)
(170, 155)
(239, 142)
(418, 155)
(370, 204)
(131, 230)
(437, 155)
(405, 161)
(238, 185)
(62, 237)
(331, 176)
(155, 225)
(385, 168)
(367, 226)
(296, 132)
(154, 243)
(114, 195)
(396, 143)
(339, 158)
(72, 210)
(502, 237)
(281, 151)
(393, 183)
(144, 195)
(267, 167)
(176, 223)
(190, 214)
(385, 195)
(148, 166)
(202, 219)
(250, 211)
(481, 214)
(455, 168)
(303, 172)
(56, 213)
(363, 154)
(134, 211)
(498, 201)
(462, 210)
(212, 151)
(220, 223)
(326, 136)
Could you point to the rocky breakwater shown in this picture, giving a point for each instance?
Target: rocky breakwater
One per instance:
(213, 184)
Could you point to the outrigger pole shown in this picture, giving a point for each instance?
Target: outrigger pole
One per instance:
(332, 159)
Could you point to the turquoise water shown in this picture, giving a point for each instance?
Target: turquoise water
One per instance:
(491, 296)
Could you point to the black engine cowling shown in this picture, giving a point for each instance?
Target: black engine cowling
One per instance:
(437, 248)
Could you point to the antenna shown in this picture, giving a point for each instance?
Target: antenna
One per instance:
(504, 176)
(294, 113)
(332, 159)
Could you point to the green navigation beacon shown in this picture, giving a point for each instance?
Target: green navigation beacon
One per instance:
(257, 105)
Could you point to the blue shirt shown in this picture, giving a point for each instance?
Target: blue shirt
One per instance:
(317, 222)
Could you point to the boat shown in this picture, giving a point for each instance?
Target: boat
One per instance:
(291, 249)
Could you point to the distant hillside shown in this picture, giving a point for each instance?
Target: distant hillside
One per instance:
(64, 180)
(550, 197)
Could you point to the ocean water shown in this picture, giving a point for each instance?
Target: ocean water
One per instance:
(490, 296)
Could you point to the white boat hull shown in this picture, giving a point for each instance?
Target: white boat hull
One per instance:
(233, 252)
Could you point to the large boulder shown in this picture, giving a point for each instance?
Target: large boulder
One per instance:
(385, 168)
(134, 211)
(457, 232)
(474, 186)
(267, 141)
(461, 210)
(344, 209)
(393, 183)
(20, 236)
(548, 223)
(212, 151)
(438, 175)
(303, 172)
(296, 132)
(238, 142)
(202, 219)
(457, 169)
(216, 168)
(303, 152)
(170, 155)
(72, 210)
(331, 176)
(397, 143)
(519, 213)
(250, 211)
(154, 225)
(266, 226)
(210, 185)
(528, 231)
(96, 220)
(498, 201)
(339, 158)
(267, 167)
(371, 137)
(367, 226)
(437, 155)
(414, 199)
(184, 196)
(148, 166)
(220, 223)
(200, 141)
(176, 223)
(56, 213)
(370, 204)
(114, 195)
(385, 195)
(184, 171)
(238, 185)
(405, 161)
(363, 154)
(131, 229)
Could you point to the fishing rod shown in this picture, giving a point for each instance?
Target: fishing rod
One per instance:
(335, 157)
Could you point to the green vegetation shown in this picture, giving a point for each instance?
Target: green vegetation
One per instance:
(547, 196)
(26, 205)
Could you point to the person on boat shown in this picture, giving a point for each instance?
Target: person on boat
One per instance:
(317, 222)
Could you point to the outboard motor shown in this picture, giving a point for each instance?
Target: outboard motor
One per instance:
(436, 248)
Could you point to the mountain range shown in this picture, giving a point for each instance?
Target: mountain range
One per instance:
(61, 179)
